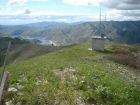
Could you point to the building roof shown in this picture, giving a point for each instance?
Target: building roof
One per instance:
(98, 37)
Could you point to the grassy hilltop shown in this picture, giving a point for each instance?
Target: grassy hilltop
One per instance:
(75, 75)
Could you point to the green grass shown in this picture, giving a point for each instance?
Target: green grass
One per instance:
(1, 59)
(94, 79)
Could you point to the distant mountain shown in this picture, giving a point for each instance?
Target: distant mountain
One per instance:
(122, 32)
(116, 31)
(46, 25)
(65, 34)
(15, 30)
(19, 29)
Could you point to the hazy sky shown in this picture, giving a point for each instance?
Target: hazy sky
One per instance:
(29, 11)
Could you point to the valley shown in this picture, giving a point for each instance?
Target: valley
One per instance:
(24, 49)
(68, 33)
(69, 72)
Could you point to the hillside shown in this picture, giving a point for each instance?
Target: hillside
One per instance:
(4, 44)
(121, 32)
(75, 76)
(116, 31)
(66, 34)
(22, 50)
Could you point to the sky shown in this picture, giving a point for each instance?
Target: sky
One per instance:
(13, 12)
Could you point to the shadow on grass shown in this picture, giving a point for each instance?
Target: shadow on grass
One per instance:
(105, 51)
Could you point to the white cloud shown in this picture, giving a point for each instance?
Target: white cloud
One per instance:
(25, 11)
(27, 15)
(21, 17)
(116, 4)
(121, 15)
(0, 7)
(40, 0)
(82, 2)
(121, 4)
(12, 3)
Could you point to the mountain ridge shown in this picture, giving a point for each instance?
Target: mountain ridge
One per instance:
(66, 34)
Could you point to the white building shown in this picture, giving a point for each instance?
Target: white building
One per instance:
(98, 42)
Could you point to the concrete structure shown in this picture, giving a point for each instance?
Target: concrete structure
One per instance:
(98, 42)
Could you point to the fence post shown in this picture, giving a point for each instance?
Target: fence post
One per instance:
(4, 80)
(4, 87)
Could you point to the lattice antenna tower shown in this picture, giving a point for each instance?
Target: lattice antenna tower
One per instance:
(100, 18)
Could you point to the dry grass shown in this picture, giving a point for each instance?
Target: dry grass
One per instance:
(126, 55)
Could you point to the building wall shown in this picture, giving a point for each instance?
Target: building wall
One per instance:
(98, 44)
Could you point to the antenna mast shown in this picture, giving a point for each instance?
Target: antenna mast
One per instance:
(100, 18)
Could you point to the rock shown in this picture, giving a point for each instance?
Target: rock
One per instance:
(94, 86)
(79, 101)
(20, 87)
(72, 69)
(84, 82)
(88, 87)
(89, 49)
(46, 81)
(19, 93)
(9, 103)
(12, 90)
(22, 75)
(97, 77)
(37, 83)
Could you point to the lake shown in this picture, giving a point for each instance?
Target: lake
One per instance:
(41, 41)
(44, 41)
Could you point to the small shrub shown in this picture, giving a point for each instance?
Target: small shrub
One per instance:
(89, 97)
(103, 92)
(81, 86)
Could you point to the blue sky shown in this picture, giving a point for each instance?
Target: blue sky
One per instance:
(30, 11)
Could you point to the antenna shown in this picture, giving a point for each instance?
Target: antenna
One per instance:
(105, 17)
(100, 18)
